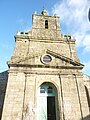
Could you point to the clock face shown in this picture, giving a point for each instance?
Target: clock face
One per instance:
(46, 59)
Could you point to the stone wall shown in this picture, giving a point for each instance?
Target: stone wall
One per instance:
(22, 91)
(31, 48)
(38, 28)
(13, 104)
(3, 84)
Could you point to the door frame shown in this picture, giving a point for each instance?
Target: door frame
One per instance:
(44, 93)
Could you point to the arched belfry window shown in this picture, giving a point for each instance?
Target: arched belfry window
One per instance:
(46, 24)
(88, 97)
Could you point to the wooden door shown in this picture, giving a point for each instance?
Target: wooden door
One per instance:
(51, 109)
(42, 108)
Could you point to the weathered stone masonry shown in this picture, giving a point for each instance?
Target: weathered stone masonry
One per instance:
(43, 58)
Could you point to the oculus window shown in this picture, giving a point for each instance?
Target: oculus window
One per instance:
(46, 59)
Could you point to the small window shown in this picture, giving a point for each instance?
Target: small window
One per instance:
(50, 89)
(46, 24)
(26, 32)
(22, 32)
(47, 58)
(42, 90)
(69, 37)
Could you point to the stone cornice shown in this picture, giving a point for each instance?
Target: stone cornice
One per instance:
(55, 16)
(46, 66)
(44, 39)
(44, 71)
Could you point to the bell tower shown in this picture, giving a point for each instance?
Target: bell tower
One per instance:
(45, 25)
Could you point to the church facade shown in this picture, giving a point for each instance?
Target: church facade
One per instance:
(45, 79)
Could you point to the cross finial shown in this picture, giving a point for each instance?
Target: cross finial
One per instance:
(44, 12)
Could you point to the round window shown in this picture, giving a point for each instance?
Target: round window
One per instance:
(46, 59)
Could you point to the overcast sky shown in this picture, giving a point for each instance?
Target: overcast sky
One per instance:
(16, 15)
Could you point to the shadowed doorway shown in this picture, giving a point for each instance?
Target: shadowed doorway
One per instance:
(51, 108)
(47, 102)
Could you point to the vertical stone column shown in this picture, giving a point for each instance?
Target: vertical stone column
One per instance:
(29, 97)
(71, 107)
(83, 97)
(13, 105)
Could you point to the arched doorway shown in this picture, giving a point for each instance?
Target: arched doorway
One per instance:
(47, 102)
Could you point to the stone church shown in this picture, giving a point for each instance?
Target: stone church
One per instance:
(45, 79)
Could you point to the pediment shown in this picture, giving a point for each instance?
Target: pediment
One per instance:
(57, 60)
(65, 59)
